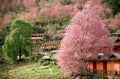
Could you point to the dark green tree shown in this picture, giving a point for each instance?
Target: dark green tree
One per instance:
(1, 38)
(3, 33)
(114, 5)
(18, 42)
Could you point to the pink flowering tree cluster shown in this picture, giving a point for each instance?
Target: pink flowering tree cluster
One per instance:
(115, 23)
(32, 15)
(51, 14)
(49, 10)
(14, 4)
(10, 8)
(7, 19)
(57, 13)
(85, 36)
(101, 8)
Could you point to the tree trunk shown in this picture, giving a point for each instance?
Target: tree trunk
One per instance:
(20, 56)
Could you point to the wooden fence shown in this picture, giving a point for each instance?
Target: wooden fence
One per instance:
(105, 72)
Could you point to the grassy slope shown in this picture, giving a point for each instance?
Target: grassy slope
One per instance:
(36, 71)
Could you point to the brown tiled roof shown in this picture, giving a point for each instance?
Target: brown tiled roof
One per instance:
(51, 42)
(116, 40)
(36, 38)
(115, 55)
(108, 57)
(61, 31)
(115, 34)
(37, 35)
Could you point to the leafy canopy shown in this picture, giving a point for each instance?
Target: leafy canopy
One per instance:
(114, 5)
(18, 41)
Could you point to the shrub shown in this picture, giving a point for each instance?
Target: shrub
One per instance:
(2, 60)
(3, 73)
(37, 57)
(2, 76)
(45, 63)
(66, 2)
(105, 77)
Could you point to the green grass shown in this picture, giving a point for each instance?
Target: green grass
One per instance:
(3, 73)
(36, 71)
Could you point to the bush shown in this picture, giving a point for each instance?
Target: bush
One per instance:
(2, 60)
(24, 60)
(105, 77)
(3, 73)
(46, 63)
(66, 2)
(37, 57)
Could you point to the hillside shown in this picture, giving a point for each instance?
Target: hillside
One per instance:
(40, 48)
(56, 12)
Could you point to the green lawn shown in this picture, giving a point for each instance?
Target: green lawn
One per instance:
(36, 71)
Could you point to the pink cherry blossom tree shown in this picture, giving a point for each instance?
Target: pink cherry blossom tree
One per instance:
(85, 36)
(32, 15)
(58, 12)
(115, 23)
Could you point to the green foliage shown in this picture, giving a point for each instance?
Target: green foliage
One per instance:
(1, 38)
(114, 5)
(45, 63)
(105, 77)
(3, 73)
(22, 26)
(66, 2)
(57, 26)
(46, 38)
(1, 56)
(36, 71)
(3, 33)
(2, 60)
(37, 57)
(18, 42)
(53, 28)
(37, 29)
(55, 37)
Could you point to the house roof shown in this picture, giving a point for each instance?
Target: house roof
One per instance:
(108, 57)
(116, 40)
(37, 35)
(51, 42)
(115, 34)
(36, 38)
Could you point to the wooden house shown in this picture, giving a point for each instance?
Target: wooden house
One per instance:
(105, 64)
(37, 40)
(51, 45)
(116, 39)
(116, 44)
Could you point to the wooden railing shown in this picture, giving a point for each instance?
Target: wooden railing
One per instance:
(104, 72)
